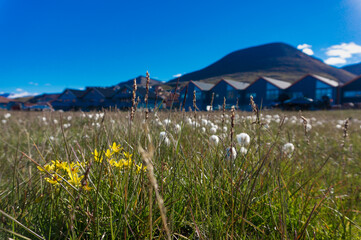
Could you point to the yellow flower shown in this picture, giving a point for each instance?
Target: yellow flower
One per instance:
(55, 179)
(141, 168)
(128, 155)
(75, 180)
(108, 153)
(112, 162)
(116, 148)
(46, 168)
(97, 156)
(86, 187)
(126, 163)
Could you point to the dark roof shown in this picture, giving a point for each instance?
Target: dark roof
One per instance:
(203, 86)
(76, 92)
(107, 92)
(353, 80)
(278, 83)
(236, 84)
(322, 79)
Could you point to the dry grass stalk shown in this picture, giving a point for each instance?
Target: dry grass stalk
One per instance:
(146, 96)
(254, 109)
(133, 100)
(345, 132)
(232, 126)
(211, 109)
(147, 158)
(305, 122)
(224, 110)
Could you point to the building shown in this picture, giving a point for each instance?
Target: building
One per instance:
(350, 92)
(266, 92)
(202, 94)
(314, 87)
(96, 98)
(4, 102)
(229, 89)
(68, 100)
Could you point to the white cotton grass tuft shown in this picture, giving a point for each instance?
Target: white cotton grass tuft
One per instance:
(213, 130)
(7, 115)
(166, 122)
(243, 139)
(231, 153)
(243, 151)
(164, 138)
(308, 127)
(177, 128)
(214, 140)
(338, 126)
(288, 149)
(225, 129)
(3, 121)
(203, 129)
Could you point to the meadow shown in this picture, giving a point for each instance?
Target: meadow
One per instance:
(180, 175)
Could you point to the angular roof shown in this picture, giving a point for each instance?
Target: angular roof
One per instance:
(76, 92)
(278, 83)
(353, 80)
(330, 82)
(203, 86)
(107, 92)
(236, 84)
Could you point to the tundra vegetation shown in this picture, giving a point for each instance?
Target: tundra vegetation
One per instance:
(180, 175)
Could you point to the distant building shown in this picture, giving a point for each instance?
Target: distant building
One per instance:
(4, 102)
(202, 94)
(229, 89)
(317, 88)
(68, 100)
(351, 91)
(266, 92)
(96, 98)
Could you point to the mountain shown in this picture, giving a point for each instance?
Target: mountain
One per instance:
(354, 68)
(141, 82)
(275, 60)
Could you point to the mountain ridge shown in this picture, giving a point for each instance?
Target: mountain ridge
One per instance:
(277, 60)
(353, 68)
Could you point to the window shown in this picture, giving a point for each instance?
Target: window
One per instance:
(231, 95)
(323, 92)
(352, 94)
(272, 94)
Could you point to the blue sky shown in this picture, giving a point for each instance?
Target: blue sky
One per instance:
(48, 45)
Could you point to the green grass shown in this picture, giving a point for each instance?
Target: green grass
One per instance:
(265, 194)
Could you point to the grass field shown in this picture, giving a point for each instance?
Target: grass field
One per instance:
(76, 175)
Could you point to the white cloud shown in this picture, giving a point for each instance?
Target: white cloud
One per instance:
(302, 46)
(33, 83)
(339, 54)
(308, 51)
(335, 61)
(305, 48)
(177, 75)
(22, 94)
(19, 90)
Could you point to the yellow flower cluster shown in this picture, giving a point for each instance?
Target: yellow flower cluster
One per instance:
(61, 171)
(117, 157)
